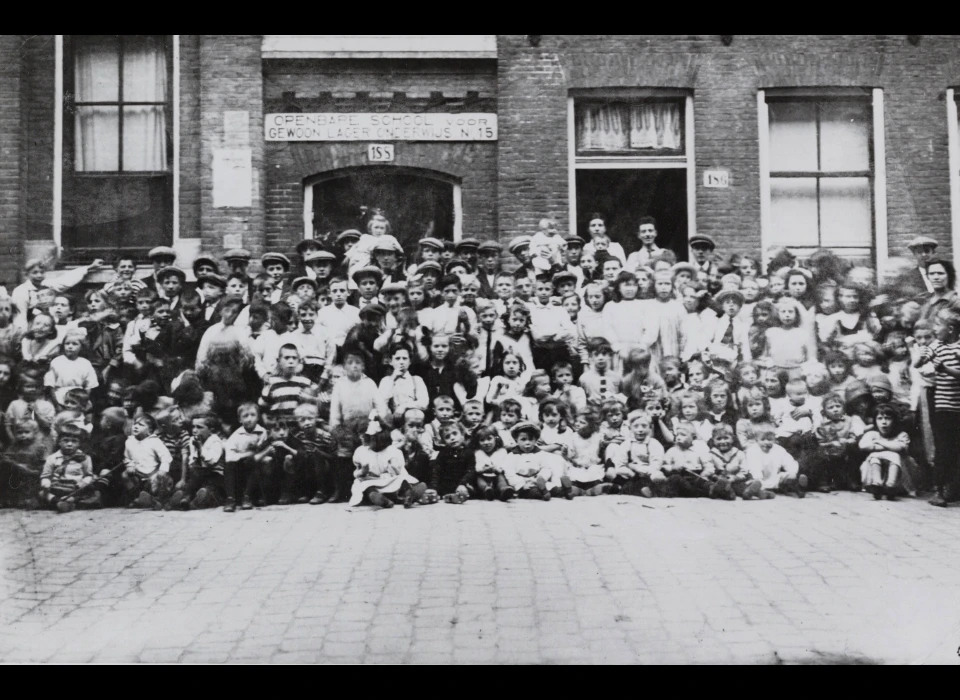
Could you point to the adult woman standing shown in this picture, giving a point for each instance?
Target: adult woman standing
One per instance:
(943, 280)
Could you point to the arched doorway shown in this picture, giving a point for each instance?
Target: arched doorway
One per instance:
(418, 202)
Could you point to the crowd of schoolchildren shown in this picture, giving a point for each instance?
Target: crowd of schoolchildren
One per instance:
(572, 370)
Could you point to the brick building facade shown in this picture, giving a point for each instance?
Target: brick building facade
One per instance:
(847, 141)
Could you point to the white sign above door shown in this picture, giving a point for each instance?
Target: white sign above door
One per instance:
(386, 126)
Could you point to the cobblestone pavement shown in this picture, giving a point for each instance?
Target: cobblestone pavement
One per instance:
(609, 579)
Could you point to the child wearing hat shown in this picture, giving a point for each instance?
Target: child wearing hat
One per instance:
(361, 254)
(730, 343)
(386, 256)
(368, 280)
(430, 249)
(277, 266)
(538, 472)
(468, 251)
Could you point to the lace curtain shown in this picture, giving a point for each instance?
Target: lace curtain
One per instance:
(97, 79)
(621, 127)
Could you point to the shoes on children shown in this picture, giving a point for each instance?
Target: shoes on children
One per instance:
(67, 506)
(507, 494)
(201, 500)
(802, 483)
(489, 493)
(247, 504)
(546, 495)
(891, 493)
(319, 498)
(177, 500)
(230, 506)
(752, 490)
(454, 497)
(646, 492)
(144, 500)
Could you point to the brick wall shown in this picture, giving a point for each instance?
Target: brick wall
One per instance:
(9, 157)
(231, 80)
(190, 136)
(36, 155)
(534, 84)
(438, 86)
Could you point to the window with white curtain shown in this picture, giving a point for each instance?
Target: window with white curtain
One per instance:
(117, 187)
(821, 174)
(121, 98)
(632, 127)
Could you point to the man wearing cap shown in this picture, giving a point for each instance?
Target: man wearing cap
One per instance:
(488, 265)
(161, 257)
(237, 260)
(277, 266)
(701, 250)
(467, 250)
(319, 266)
(386, 256)
(368, 280)
(171, 282)
(572, 255)
(212, 287)
(430, 249)
(520, 248)
(923, 248)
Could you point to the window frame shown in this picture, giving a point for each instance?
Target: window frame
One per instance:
(633, 160)
(173, 171)
(658, 154)
(876, 175)
(72, 104)
(953, 145)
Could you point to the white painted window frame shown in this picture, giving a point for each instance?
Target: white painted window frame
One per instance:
(309, 182)
(688, 161)
(58, 126)
(953, 140)
(881, 240)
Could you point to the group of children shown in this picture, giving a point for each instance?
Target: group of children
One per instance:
(579, 372)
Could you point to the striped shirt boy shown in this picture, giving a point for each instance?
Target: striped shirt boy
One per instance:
(281, 395)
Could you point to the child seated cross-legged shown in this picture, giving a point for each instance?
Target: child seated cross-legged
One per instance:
(537, 469)
(380, 477)
(634, 466)
(67, 473)
(689, 469)
(146, 479)
(772, 465)
(728, 465)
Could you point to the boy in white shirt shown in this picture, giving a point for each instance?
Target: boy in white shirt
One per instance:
(773, 466)
(337, 318)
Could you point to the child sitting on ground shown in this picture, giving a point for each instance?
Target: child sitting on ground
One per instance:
(454, 467)
(66, 472)
(635, 465)
(688, 469)
(21, 465)
(728, 464)
(773, 466)
(536, 469)
(203, 467)
(146, 479)
(490, 457)
(380, 476)
(886, 447)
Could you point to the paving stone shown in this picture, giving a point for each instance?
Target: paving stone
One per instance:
(698, 582)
